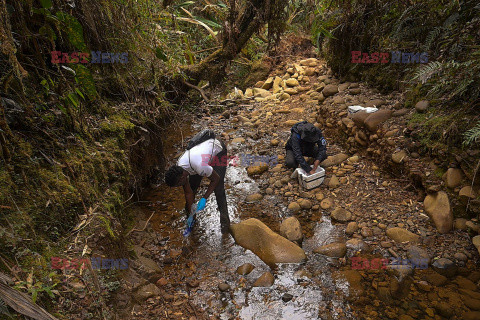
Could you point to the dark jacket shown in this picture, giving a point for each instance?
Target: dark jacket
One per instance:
(303, 148)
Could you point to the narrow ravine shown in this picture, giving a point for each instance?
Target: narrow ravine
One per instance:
(355, 207)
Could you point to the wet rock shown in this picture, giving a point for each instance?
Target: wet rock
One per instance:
(422, 106)
(245, 269)
(294, 207)
(375, 119)
(224, 287)
(418, 256)
(257, 170)
(453, 177)
(287, 297)
(335, 250)
(329, 90)
(291, 229)
(305, 203)
(460, 256)
(326, 203)
(333, 182)
(400, 235)
(253, 198)
(272, 248)
(145, 292)
(341, 215)
(265, 280)
(399, 157)
(352, 227)
(354, 280)
(438, 208)
(334, 160)
(423, 285)
(356, 244)
(445, 267)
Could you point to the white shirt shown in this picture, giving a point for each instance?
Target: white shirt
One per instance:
(197, 159)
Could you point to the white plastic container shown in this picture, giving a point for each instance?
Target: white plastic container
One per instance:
(310, 181)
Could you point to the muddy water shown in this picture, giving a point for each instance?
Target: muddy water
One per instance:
(209, 258)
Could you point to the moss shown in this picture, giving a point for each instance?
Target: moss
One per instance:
(117, 124)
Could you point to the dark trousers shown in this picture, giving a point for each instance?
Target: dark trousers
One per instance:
(290, 161)
(220, 195)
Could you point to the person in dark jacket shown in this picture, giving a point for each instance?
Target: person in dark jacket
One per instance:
(305, 140)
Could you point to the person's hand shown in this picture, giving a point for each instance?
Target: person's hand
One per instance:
(312, 172)
(201, 204)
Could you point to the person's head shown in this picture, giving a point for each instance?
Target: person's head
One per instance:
(309, 133)
(175, 176)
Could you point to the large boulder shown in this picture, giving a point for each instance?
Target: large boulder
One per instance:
(438, 208)
(375, 119)
(291, 229)
(401, 235)
(254, 235)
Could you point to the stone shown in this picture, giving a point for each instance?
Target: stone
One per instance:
(268, 84)
(338, 100)
(375, 103)
(422, 106)
(445, 267)
(265, 280)
(276, 88)
(319, 196)
(438, 208)
(476, 243)
(145, 292)
(329, 90)
(453, 177)
(287, 297)
(418, 256)
(149, 264)
(352, 227)
(326, 204)
(291, 91)
(335, 250)
(401, 235)
(238, 140)
(467, 193)
(253, 198)
(292, 82)
(355, 91)
(291, 122)
(248, 92)
(356, 244)
(261, 93)
(376, 118)
(223, 286)
(444, 309)
(254, 235)
(269, 191)
(334, 160)
(291, 229)
(257, 170)
(460, 224)
(471, 315)
(359, 118)
(399, 157)
(274, 142)
(333, 182)
(436, 279)
(309, 72)
(284, 96)
(400, 113)
(294, 207)
(245, 269)
(305, 204)
(341, 215)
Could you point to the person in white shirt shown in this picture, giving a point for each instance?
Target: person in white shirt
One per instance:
(207, 159)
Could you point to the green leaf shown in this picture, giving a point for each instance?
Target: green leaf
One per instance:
(79, 93)
(73, 99)
(160, 55)
(85, 80)
(34, 296)
(74, 30)
(47, 4)
(184, 4)
(210, 23)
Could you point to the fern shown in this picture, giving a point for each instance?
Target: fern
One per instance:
(424, 73)
(471, 135)
(432, 35)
